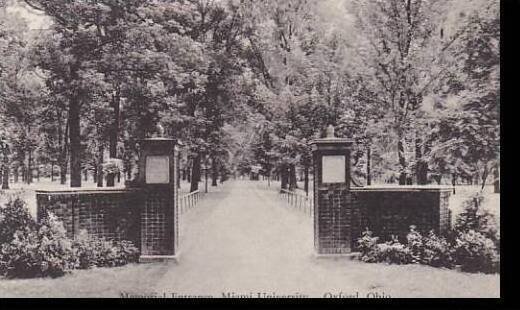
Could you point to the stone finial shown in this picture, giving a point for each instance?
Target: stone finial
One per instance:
(330, 132)
(160, 130)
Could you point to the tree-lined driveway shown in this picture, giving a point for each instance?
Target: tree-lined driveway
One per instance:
(243, 239)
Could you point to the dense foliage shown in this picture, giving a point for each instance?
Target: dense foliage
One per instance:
(29, 249)
(415, 83)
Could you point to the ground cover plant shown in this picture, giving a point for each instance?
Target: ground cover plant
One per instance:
(29, 249)
(473, 244)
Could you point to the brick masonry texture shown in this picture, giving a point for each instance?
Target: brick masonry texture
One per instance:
(342, 215)
(392, 212)
(113, 215)
(158, 223)
(145, 217)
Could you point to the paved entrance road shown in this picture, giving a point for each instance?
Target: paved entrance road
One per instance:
(244, 240)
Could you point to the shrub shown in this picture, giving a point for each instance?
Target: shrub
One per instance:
(14, 216)
(415, 244)
(474, 218)
(367, 245)
(41, 252)
(117, 253)
(393, 252)
(430, 250)
(85, 253)
(29, 249)
(92, 251)
(475, 252)
(437, 251)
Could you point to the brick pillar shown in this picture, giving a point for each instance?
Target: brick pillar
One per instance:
(159, 216)
(334, 209)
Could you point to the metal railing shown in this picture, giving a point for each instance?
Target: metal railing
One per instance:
(297, 201)
(188, 201)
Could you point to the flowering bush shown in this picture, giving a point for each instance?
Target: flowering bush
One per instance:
(367, 245)
(477, 238)
(41, 252)
(473, 217)
(91, 251)
(429, 250)
(29, 249)
(437, 251)
(393, 252)
(14, 216)
(475, 252)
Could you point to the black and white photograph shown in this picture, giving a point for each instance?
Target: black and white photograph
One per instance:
(250, 149)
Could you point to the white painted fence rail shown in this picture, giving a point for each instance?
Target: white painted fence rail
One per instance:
(189, 201)
(298, 201)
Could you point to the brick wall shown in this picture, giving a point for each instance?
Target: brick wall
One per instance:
(343, 214)
(333, 229)
(111, 214)
(389, 212)
(158, 223)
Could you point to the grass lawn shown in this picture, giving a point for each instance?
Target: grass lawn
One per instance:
(99, 282)
(407, 281)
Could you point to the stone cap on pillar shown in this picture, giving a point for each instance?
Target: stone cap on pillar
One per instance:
(156, 161)
(331, 141)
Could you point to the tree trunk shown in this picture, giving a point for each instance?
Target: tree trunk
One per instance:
(454, 182)
(402, 162)
(75, 143)
(95, 173)
(195, 173)
(306, 178)
(5, 173)
(63, 158)
(29, 177)
(114, 134)
(369, 158)
(23, 172)
(15, 174)
(284, 176)
(101, 151)
(484, 177)
(214, 172)
(85, 175)
(421, 166)
(292, 177)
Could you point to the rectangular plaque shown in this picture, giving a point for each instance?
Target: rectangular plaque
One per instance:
(333, 169)
(157, 170)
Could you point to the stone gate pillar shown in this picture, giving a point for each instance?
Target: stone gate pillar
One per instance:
(159, 215)
(333, 201)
